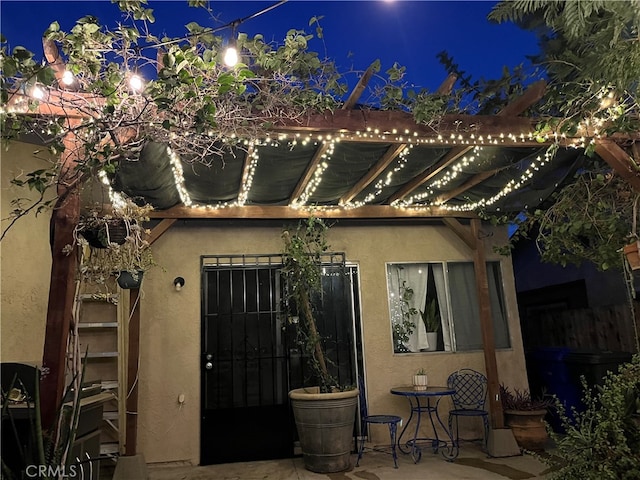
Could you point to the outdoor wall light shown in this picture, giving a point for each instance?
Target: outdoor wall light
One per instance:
(178, 283)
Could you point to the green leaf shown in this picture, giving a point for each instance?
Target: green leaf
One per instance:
(53, 27)
(22, 53)
(9, 67)
(46, 76)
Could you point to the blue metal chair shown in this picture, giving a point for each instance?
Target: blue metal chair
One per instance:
(365, 420)
(469, 400)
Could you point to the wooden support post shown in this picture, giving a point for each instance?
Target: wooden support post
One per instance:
(133, 355)
(486, 327)
(63, 272)
(132, 373)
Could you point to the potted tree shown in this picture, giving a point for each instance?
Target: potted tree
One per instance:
(325, 412)
(525, 414)
(431, 319)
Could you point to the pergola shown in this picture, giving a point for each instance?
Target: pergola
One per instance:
(355, 163)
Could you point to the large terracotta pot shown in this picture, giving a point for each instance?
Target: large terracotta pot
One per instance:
(528, 427)
(325, 426)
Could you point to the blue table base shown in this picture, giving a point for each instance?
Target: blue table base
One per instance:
(448, 447)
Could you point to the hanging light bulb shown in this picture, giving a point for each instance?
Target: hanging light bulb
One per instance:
(135, 82)
(231, 56)
(37, 92)
(67, 77)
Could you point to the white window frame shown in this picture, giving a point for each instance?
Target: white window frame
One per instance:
(416, 337)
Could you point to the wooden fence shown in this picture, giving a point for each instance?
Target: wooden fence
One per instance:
(604, 329)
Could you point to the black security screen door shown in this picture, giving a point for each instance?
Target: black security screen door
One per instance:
(244, 370)
(249, 360)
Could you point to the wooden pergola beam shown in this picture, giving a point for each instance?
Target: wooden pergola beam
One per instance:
(133, 358)
(386, 122)
(446, 87)
(621, 162)
(516, 107)
(530, 96)
(160, 229)
(322, 149)
(358, 89)
(486, 327)
(63, 274)
(472, 182)
(389, 156)
(308, 173)
(472, 237)
(54, 60)
(280, 212)
(451, 156)
(133, 353)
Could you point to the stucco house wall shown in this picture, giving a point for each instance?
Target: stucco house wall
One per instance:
(170, 320)
(25, 261)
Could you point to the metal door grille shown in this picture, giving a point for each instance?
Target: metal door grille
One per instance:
(242, 332)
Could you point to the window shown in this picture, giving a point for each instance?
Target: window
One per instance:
(441, 297)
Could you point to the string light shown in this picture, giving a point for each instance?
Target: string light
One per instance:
(317, 177)
(247, 179)
(231, 56)
(136, 83)
(446, 179)
(400, 163)
(178, 177)
(37, 92)
(68, 78)
(511, 186)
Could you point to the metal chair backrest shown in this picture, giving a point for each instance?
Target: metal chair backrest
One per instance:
(25, 377)
(470, 387)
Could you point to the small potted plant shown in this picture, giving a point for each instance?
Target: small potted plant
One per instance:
(420, 380)
(524, 414)
(431, 319)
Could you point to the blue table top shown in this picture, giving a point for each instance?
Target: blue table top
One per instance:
(409, 391)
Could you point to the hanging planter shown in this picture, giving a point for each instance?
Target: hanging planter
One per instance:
(129, 280)
(118, 242)
(101, 235)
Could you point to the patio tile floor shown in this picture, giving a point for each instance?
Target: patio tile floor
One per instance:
(472, 464)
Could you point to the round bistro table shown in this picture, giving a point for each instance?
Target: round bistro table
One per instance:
(426, 401)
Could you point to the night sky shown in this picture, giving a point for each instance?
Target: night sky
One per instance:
(356, 33)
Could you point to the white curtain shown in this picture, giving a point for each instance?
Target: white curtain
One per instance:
(443, 305)
(416, 276)
(394, 298)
